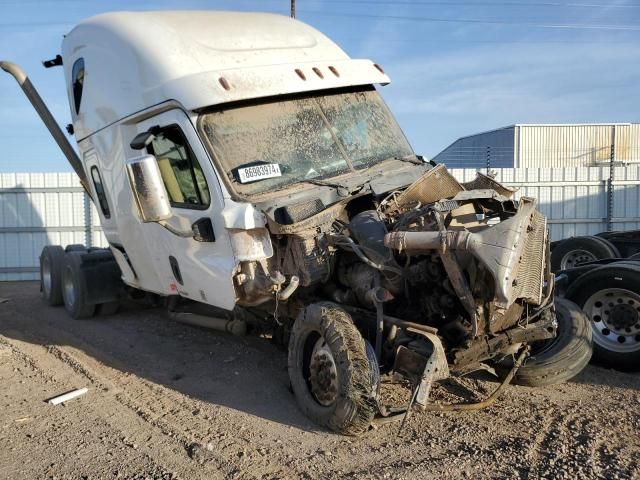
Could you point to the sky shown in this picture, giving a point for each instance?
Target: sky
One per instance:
(457, 67)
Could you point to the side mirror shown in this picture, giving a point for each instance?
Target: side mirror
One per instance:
(148, 189)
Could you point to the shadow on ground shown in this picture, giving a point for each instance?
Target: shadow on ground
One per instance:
(244, 373)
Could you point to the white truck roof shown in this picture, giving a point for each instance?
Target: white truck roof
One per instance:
(134, 60)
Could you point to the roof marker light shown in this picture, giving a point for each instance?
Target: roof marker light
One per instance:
(379, 68)
(334, 70)
(300, 74)
(225, 84)
(318, 72)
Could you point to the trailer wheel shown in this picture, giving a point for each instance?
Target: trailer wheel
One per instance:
(331, 375)
(578, 250)
(610, 297)
(51, 260)
(74, 291)
(75, 247)
(561, 358)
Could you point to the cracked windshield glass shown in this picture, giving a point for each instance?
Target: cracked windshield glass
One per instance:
(269, 146)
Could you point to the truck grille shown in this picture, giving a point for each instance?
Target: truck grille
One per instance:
(531, 272)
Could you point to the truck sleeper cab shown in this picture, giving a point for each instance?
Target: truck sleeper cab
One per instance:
(251, 175)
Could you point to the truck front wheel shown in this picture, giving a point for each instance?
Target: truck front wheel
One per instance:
(330, 372)
(561, 358)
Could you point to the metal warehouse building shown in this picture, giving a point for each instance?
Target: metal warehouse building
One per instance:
(545, 146)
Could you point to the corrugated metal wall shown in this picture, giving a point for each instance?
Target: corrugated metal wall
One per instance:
(545, 146)
(37, 209)
(634, 142)
(571, 145)
(50, 208)
(496, 147)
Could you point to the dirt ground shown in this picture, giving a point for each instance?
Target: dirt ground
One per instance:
(170, 401)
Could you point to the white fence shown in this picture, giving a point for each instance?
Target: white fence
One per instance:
(37, 209)
(576, 200)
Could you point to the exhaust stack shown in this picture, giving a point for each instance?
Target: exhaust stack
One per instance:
(40, 107)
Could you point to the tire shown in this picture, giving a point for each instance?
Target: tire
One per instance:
(561, 358)
(610, 297)
(106, 309)
(577, 250)
(346, 404)
(51, 260)
(74, 292)
(75, 247)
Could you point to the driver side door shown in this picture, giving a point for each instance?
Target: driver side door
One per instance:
(199, 268)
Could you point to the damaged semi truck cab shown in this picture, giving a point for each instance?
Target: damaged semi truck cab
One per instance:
(247, 170)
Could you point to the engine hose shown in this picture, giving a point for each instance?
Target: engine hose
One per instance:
(358, 251)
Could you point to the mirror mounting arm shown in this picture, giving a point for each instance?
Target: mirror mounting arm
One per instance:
(175, 231)
(143, 139)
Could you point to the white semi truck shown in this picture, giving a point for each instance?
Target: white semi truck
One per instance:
(247, 171)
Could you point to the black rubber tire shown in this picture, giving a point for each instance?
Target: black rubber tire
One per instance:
(625, 275)
(53, 255)
(355, 407)
(563, 357)
(106, 309)
(75, 247)
(80, 307)
(600, 248)
(612, 248)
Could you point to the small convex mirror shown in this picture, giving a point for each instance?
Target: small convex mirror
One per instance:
(148, 189)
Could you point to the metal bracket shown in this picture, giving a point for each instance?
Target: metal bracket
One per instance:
(424, 388)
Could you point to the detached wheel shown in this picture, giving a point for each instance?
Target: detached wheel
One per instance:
(51, 260)
(610, 297)
(331, 375)
(578, 250)
(74, 290)
(561, 358)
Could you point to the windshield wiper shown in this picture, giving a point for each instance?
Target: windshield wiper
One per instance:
(408, 158)
(342, 190)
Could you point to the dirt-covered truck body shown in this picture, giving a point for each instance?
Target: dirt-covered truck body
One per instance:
(247, 170)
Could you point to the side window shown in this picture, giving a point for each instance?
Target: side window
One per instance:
(77, 82)
(181, 172)
(99, 187)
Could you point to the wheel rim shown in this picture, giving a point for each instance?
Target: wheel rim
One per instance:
(69, 289)
(575, 258)
(323, 374)
(615, 317)
(46, 276)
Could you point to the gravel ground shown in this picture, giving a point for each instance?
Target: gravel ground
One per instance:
(169, 401)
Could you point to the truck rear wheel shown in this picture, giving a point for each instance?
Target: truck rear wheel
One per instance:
(329, 369)
(610, 297)
(561, 358)
(578, 250)
(51, 260)
(74, 290)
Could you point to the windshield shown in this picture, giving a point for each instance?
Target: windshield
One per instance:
(272, 145)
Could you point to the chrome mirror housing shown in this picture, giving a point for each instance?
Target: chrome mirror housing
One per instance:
(148, 189)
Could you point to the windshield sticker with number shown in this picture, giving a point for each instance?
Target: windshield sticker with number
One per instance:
(259, 172)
